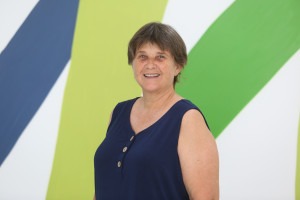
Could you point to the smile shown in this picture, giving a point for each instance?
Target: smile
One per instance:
(151, 75)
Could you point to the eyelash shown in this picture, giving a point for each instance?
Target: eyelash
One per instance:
(158, 57)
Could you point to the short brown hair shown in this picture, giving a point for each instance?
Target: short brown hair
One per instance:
(162, 35)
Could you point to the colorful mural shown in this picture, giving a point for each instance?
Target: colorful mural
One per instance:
(63, 67)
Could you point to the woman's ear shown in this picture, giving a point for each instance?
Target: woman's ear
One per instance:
(178, 69)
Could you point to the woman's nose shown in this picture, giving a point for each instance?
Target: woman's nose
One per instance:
(151, 64)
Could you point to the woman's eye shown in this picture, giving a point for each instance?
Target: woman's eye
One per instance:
(142, 56)
(161, 56)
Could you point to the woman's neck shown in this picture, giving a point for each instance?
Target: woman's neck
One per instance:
(158, 101)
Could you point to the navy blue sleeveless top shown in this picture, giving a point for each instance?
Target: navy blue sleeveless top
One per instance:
(143, 166)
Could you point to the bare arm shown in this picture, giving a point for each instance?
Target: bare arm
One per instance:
(198, 156)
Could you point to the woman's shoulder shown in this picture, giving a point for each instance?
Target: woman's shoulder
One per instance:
(192, 109)
(188, 103)
(124, 104)
(127, 102)
(185, 105)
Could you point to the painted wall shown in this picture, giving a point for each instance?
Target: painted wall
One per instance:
(63, 68)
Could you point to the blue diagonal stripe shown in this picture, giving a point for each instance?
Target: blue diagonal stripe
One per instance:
(30, 65)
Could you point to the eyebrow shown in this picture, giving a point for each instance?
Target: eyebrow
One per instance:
(140, 52)
(163, 52)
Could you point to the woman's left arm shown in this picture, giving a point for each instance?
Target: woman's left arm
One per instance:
(198, 156)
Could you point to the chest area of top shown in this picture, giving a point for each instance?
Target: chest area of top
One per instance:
(141, 120)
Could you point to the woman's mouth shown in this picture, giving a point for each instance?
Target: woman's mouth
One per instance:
(154, 75)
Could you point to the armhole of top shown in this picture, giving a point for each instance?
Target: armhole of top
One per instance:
(196, 108)
(112, 116)
(193, 106)
(114, 111)
(203, 117)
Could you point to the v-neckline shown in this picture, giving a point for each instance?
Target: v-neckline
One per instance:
(154, 123)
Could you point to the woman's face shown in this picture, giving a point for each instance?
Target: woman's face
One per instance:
(154, 69)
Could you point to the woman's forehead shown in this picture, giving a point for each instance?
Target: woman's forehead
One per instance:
(147, 45)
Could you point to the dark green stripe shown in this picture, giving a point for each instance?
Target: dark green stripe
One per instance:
(238, 55)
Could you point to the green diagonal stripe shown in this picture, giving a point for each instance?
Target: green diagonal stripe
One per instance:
(98, 79)
(238, 55)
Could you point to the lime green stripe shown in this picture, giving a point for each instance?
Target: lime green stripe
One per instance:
(98, 79)
(238, 55)
(297, 188)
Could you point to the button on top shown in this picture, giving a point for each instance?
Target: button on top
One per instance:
(124, 149)
(119, 163)
(131, 138)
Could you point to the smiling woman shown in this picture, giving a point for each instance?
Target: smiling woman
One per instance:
(152, 34)
(154, 69)
(157, 146)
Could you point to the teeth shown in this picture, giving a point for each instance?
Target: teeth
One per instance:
(151, 75)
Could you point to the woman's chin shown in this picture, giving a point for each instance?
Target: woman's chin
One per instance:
(150, 89)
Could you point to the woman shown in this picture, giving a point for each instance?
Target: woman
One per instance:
(157, 146)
